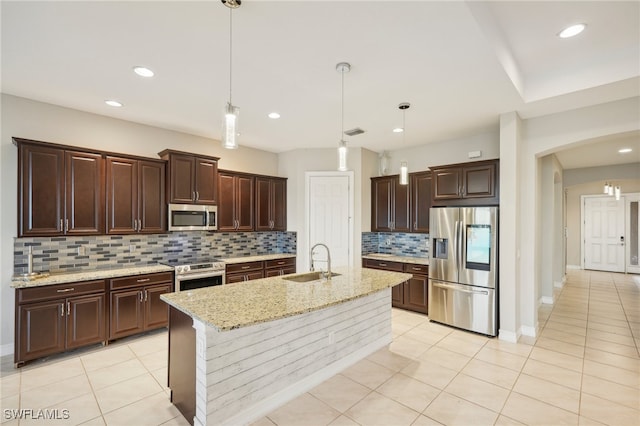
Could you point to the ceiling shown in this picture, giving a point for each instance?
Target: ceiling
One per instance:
(459, 64)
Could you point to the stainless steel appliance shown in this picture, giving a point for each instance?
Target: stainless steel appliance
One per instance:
(192, 217)
(198, 273)
(463, 268)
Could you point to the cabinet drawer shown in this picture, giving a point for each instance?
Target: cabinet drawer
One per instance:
(59, 291)
(383, 264)
(140, 280)
(280, 263)
(416, 269)
(244, 267)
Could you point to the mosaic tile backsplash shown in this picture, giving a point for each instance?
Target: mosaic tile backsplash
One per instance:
(398, 244)
(68, 254)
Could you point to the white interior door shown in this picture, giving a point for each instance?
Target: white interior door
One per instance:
(329, 212)
(604, 230)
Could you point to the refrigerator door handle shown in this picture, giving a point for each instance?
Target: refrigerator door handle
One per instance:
(462, 290)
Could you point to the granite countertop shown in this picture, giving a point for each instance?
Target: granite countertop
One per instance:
(60, 278)
(243, 259)
(232, 306)
(394, 258)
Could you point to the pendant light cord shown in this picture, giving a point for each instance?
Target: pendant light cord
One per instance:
(230, 53)
(404, 126)
(342, 125)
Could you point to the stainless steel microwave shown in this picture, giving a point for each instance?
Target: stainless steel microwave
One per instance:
(192, 217)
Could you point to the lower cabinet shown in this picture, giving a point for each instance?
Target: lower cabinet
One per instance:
(277, 267)
(247, 271)
(135, 305)
(55, 318)
(411, 295)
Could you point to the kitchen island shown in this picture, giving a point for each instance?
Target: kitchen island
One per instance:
(238, 351)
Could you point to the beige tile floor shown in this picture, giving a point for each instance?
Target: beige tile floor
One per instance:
(583, 369)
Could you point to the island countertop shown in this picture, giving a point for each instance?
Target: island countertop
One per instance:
(232, 306)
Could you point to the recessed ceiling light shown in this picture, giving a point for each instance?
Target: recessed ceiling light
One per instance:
(274, 115)
(143, 71)
(625, 150)
(398, 130)
(113, 103)
(572, 31)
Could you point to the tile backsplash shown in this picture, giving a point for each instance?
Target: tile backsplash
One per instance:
(399, 244)
(109, 251)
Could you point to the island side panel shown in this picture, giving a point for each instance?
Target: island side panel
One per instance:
(182, 363)
(250, 371)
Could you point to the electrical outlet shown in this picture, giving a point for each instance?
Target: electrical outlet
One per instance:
(82, 251)
(388, 242)
(132, 248)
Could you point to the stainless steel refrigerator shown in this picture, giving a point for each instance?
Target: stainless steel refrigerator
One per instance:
(463, 268)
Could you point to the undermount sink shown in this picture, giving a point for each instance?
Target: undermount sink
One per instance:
(309, 276)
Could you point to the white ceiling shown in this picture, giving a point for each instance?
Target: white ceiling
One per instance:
(459, 64)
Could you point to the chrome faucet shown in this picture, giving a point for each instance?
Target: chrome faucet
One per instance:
(327, 275)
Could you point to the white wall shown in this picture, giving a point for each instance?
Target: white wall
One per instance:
(35, 120)
(551, 216)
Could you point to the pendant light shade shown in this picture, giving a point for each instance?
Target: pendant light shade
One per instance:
(617, 193)
(606, 188)
(342, 68)
(231, 112)
(404, 173)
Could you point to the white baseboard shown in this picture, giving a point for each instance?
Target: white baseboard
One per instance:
(526, 330)
(508, 336)
(574, 267)
(546, 300)
(6, 349)
(560, 284)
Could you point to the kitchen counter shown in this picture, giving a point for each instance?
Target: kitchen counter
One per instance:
(394, 258)
(232, 306)
(238, 351)
(257, 258)
(60, 278)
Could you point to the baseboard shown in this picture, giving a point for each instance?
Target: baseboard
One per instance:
(546, 300)
(508, 336)
(574, 267)
(560, 284)
(526, 330)
(6, 349)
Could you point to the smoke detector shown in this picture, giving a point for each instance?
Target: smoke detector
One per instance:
(353, 132)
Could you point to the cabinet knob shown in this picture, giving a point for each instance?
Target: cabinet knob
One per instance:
(68, 308)
(197, 195)
(62, 309)
(140, 295)
(66, 225)
(61, 226)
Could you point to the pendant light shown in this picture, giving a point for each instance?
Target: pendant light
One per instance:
(404, 169)
(231, 112)
(617, 192)
(342, 68)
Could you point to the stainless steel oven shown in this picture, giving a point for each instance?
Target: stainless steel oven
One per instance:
(198, 274)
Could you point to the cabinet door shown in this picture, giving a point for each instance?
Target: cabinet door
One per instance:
(234, 278)
(226, 205)
(381, 193)
(396, 295)
(152, 208)
(41, 191)
(447, 183)
(182, 178)
(479, 181)
(244, 202)
(420, 187)
(279, 205)
(206, 186)
(40, 330)
(415, 294)
(85, 320)
(400, 210)
(156, 311)
(122, 195)
(84, 193)
(263, 204)
(126, 313)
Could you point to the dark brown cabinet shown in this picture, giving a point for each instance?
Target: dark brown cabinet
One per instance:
(52, 319)
(389, 205)
(193, 179)
(135, 196)
(135, 305)
(411, 295)
(247, 271)
(420, 202)
(60, 191)
(271, 204)
(277, 267)
(235, 209)
(473, 183)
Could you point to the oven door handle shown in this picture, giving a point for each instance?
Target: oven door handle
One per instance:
(200, 275)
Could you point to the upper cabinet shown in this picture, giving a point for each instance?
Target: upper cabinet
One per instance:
(420, 202)
(463, 184)
(235, 209)
(135, 196)
(389, 205)
(60, 191)
(271, 204)
(193, 179)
